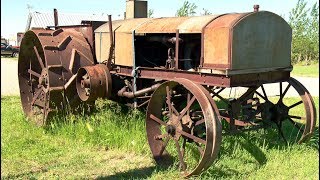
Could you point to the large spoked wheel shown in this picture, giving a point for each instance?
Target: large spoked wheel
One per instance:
(291, 114)
(47, 67)
(183, 125)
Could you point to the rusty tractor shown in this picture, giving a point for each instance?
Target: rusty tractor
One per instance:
(177, 68)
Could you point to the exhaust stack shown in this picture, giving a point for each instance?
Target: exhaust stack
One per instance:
(136, 9)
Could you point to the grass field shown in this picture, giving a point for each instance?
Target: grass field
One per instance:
(9, 58)
(111, 144)
(307, 71)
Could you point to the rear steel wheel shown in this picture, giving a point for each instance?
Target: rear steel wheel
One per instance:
(292, 119)
(183, 122)
(47, 67)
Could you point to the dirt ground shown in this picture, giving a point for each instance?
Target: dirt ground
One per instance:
(9, 77)
(10, 85)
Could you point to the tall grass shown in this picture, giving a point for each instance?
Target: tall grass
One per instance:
(111, 143)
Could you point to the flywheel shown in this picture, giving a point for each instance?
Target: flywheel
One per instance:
(47, 68)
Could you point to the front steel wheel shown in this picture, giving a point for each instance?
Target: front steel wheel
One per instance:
(183, 126)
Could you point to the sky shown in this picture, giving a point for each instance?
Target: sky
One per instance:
(14, 13)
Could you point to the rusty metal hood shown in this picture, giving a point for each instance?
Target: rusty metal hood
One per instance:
(160, 25)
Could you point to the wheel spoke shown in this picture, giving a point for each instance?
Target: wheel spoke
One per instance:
(295, 104)
(199, 149)
(194, 138)
(280, 132)
(153, 117)
(264, 93)
(280, 88)
(296, 125)
(36, 95)
(188, 100)
(284, 92)
(265, 98)
(220, 97)
(182, 163)
(175, 110)
(199, 122)
(182, 113)
(38, 57)
(297, 117)
(165, 143)
(184, 147)
(30, 71)
(168, 101)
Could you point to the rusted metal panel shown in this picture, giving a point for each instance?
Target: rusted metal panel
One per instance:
(122, 41)
(131, 24)
(161, 25)
(217, 41)
(170, 25)
(102, 44)
(196, 23)
(123, 49)
(256, 40)
(244, 80)
(261, 40)
(102, 40)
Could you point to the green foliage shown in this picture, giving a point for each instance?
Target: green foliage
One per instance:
(205, 12)
(305, 32)
(187, 9)
(150, 13)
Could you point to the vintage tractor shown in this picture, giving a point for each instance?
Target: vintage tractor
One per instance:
(177, 68)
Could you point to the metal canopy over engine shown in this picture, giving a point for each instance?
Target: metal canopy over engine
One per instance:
(231, 43)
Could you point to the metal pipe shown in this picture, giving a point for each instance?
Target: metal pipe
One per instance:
(55, 16)
(111, 42)
(134, 69)
(177, 50)
(122, 92)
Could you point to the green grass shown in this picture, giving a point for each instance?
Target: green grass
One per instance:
(306, 70)
(9, 58)
(111, 144)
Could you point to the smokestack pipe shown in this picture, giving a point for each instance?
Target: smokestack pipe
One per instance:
(55, 15)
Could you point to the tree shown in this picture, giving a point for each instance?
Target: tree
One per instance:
(205, 12)
(314, 30)
(305, 32)
(150, 13)
(187, 9)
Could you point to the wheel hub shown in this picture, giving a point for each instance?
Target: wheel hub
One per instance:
(43, 79)
(171, 130)
(174, 124)
(281, 111)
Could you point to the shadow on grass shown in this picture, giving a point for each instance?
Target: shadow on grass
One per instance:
(142, 173)
(240, 141)
(25, 175)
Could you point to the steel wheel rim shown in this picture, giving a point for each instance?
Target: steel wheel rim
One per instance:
(278, 113)
(30, 70)
(47, 66)
(212, 129)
